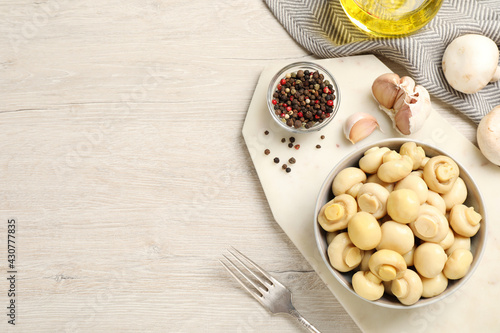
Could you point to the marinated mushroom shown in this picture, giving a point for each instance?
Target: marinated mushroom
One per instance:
(367, 285)
(335, 214)
(456, 195)
(394, 167)
(408, 289)
(434, 286)
(344, 256)
(417, 173)
(440, 173)
(403, 206)
(372, 159)
(458, 264)
(364, 231)
(429, 259)
(459, 242)
(397, 237)
(387, 265)
(436, 200)
(366, 258)
(416, 184)
(330, 236)
(416, 153)
(349, 180)
(374, 179)
(465, 220)
(448, 241)
(372, 198)
(430, 225)
(424, 162)
(408, 256)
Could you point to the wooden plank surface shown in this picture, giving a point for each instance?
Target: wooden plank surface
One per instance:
(124, 166)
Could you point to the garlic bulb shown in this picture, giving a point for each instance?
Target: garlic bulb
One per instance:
(408, 105)
(359, 125)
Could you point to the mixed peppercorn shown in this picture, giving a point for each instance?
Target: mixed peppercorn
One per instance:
(303, 98)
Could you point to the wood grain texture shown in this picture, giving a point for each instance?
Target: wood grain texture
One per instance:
(124, 165)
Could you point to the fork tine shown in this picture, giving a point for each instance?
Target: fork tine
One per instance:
(261, 270)
(259, 288)
(250, 291)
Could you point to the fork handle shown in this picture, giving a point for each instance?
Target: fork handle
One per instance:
(303, 321)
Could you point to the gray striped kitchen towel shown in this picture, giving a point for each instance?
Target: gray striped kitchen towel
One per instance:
(322, 28)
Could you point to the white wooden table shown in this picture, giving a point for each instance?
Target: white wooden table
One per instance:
(123, 164)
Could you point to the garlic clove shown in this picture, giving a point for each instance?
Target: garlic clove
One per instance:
(405, 93)
(385, 89)
(411, 117)
(358, 126)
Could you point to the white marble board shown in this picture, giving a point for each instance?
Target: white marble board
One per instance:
(292, 197)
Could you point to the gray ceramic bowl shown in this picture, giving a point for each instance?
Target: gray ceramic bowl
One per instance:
(473, 199)
(294, 67)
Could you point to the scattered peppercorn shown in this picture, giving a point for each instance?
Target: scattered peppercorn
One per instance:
(284, 166)
(297, 147)
(322, 137)
(276, 160)
(290, 145)
(283, 140)
(292, 139)
(318, 146)
(266, 132)
(267, 152)
(292, 160)
(288, 170)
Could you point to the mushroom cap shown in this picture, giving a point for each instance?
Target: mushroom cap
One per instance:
(372, 159)
(448, 241)
(459, 242)
(408, 289)
(416, 184)
(374, 179)
(335, 214)
(416, 153)
(372, 198)
(458, 264)
(456, 195)
(436, 200)
(343, 255)
(364, 231)
(387, 265)
(348, 180)
(465, 220)
(403, 206)
(434, 286)
(488, 135)
(367, 285)
(431, 225)
(469, 62)
(397, 237)
(440, 173)
(429, 259)
(394, 169)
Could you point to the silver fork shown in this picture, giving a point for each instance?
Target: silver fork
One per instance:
(273, 295)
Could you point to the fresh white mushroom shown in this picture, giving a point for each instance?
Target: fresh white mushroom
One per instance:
(416, 184)
(348, 180)
(387, 265)
(448, 241)
(364, 231)
(459, 242)
(408, 289)
(488, 135)
(431, 225)
(470, 62)
(367, 285)
(335, 214)
(397, 237)
(434, 286)
(343, 255)
(416, 153)
(440, 173)
(436, 200)
(374, 179)
(465, 220)
(456, 195)
(394, 167)
(458, 264)
(372, 159)
(403, 206)
(408, 105)
(429, 259)
(372, 198)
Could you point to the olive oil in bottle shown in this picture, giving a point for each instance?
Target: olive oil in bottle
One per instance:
(386, 18)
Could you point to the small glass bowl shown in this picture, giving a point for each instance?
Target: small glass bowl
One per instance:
(294, 67)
